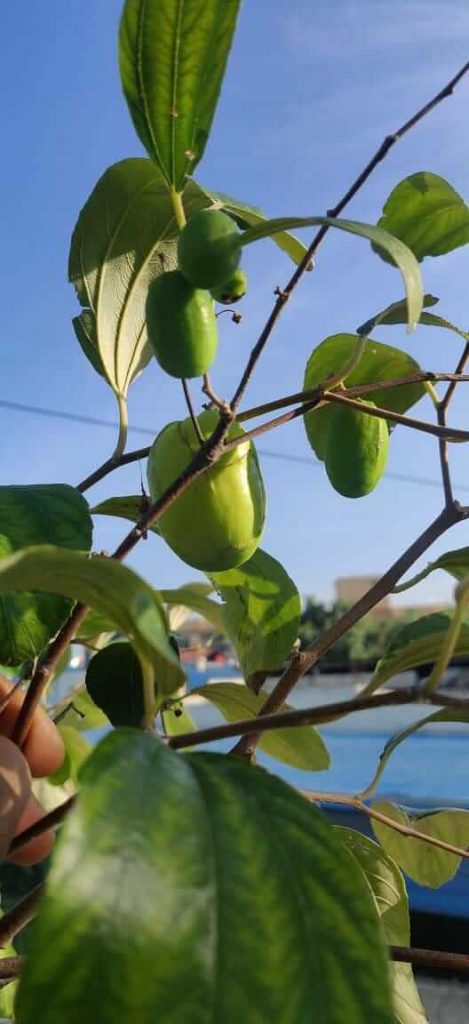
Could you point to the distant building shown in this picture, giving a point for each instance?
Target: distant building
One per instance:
(350, 589)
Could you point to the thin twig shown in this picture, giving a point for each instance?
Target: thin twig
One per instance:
(443, 452)
(458, 375)
(45, 823)
(434, 959)
(15, 919)
(10, 968)
(195, 422)
(304, 660)
(446, 433)
(284, 294)
(207, 389)
(110, 465)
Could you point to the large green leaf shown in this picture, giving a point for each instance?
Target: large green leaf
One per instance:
(172, 60)
(455, 562)
(199, 888)
(114, 682)
(389, 891)
(299, 747)
(397, 251)
(124, 237)
(378, 363)
(125, 506)
(425, 863)
(396, 313)
(84, 326)
(261, 611)
(427, 214)
(77, 749)
(445, 715)
(417, 643)
(37, 514)
(108, 586)
(197, 197)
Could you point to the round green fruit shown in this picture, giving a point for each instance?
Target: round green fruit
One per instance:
(233, 290)
(209, 249)
(356, 450)
(181, 326)
(217, 523)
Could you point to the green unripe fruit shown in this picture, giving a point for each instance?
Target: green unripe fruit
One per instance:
(356, 450)
(209, 249)
(217, 523)
(181, 326)
(231, 291)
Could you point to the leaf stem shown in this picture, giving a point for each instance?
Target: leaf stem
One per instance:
(123, 427)
(178, 208)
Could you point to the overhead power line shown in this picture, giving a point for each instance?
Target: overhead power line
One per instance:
(94, 421)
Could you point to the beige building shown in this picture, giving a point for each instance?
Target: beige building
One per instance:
(350, 589)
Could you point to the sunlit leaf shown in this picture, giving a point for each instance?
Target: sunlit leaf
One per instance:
(175, 851)
(125, 506)
(37, 514)
(261, 611)
(426, 213)
(172, 62)
(301, 747)
(456, 563)
(193, 597)
(396, 313)
(417, 643)
(426, 864)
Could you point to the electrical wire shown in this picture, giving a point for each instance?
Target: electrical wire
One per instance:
(74, 417)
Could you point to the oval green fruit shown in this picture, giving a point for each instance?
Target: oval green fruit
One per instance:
(356, 450)
(181, 326)
(209, 249)
(217, 523)
(231, 291)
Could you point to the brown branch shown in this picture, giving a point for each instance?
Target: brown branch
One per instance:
(443, 453)
(110, 465)
(190, 407)
(446, 433)
(434, 959)
(458, 374)
(10, 968)
(207, 389)
(15, 919)
(48, 821)
(305, 660)
(284, 294)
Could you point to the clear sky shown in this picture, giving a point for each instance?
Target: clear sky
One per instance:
(311, 90)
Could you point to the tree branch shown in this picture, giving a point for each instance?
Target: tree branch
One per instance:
(19, 916)
(48, 821)
(110, 465)
(10, 968)
(305, 660)
(284, 294)
(443, 432)
(434, 959)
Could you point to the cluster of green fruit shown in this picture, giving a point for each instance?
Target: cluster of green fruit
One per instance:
(217, 523)
(180, 315)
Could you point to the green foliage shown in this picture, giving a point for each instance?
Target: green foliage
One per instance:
(77, 749)
(299, 747)
(114, 683)
(378, 363)
(389, 892)
(36, 514)
(172, 61)
(426, 213)
(194, 596)
(210, 835)
(112, 589)
(417, 643)
(427, 865)
(128, 506)
(396, 313)
(356, 451)
(225, 506)
(181, 325)
(456, 563)
(261, 612)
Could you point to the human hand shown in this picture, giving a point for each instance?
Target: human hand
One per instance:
(42, 754)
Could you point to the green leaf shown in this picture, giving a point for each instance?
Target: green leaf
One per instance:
(124, 237)
(300, 747)
(114, 682)
(126, 506)
(378, 363)
(179, 889)
(445, 715)
(261, 611)
(77, 749)
(396, 313)
(96, 630)
(455, 562)
(83, 713)
(176, 719)
(193, 597)
(427, 214)
(172, 61)
(399, 254)
(426, 864)
(415, 644)
(36, 514)
(111, 588)
(196, 197)
(389, 892)
(85, 331)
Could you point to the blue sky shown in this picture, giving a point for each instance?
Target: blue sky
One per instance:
(311, 90)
